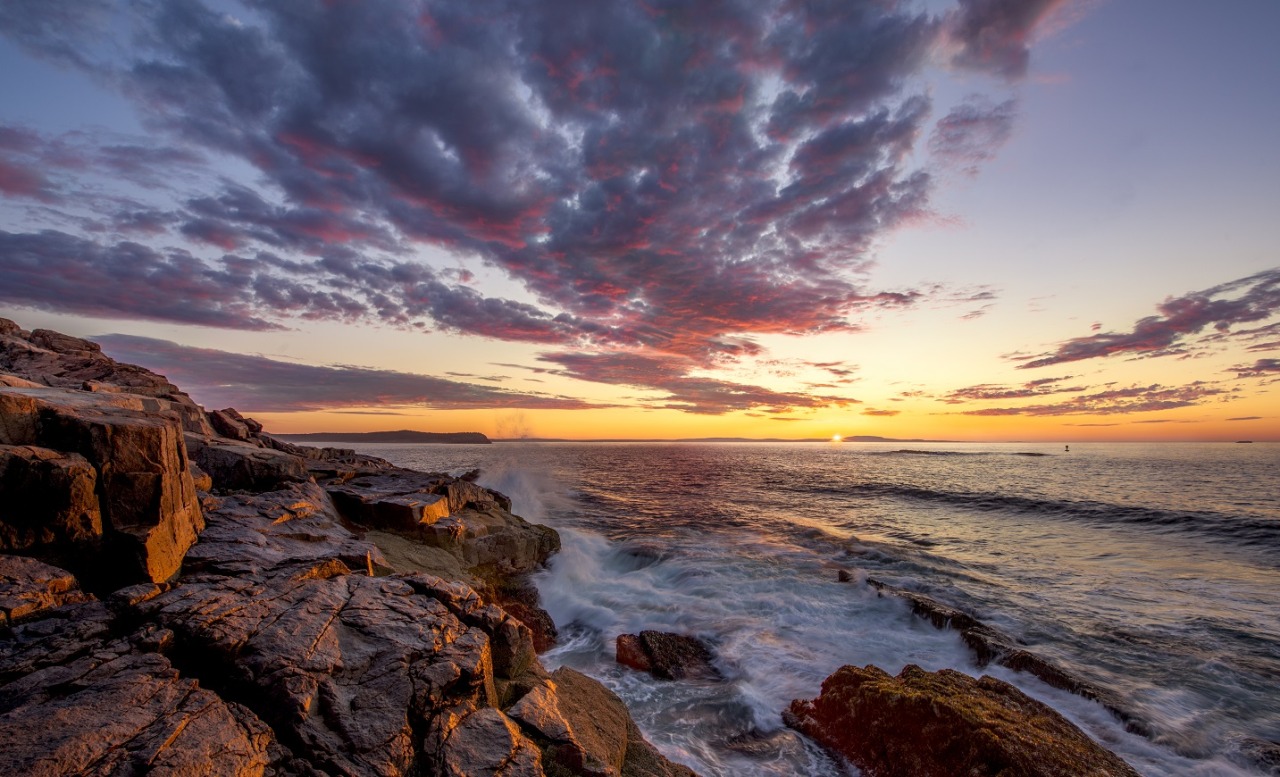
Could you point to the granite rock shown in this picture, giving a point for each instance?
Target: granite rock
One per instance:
(666, 655)
(926, 724)
(29, 587)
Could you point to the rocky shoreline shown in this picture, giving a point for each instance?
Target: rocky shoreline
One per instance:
(182, 593)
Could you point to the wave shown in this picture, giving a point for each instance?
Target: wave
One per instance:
(1239, 529)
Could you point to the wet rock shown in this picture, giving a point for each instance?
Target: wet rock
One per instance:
(945, 723)
(990, 645)
(29, 587)
(519, 597)
(603, 739)
(239, 466)
(665, 655)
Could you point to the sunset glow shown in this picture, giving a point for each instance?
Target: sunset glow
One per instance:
(965, 221)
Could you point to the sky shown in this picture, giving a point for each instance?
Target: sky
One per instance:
(985, 220)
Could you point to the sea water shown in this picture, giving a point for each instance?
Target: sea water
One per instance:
(1149, 570)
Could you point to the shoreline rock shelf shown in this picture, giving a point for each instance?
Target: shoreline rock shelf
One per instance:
(181, 593)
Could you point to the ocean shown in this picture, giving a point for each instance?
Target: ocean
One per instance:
(1152, 570)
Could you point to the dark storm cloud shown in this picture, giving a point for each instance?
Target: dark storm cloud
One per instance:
(1247, 300)
(993, 36)
(666, 176)
(258, 384)
(1135, 399)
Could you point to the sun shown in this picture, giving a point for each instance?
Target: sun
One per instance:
(836, 438)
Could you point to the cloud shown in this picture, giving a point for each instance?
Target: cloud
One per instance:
(993, 36)
(1247, 418)
(665, 177)
(1134, 399)
(1255, 298)
(257, 384)
(873, 412)
(986, 391)
(1260, 368)
(705, 396)
(972, 132)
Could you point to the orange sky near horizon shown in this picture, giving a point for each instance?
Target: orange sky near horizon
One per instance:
(936, 219)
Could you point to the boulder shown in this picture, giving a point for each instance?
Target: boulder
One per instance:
(29, 587)
(666, 655)
(990, 645)
(465, 520)
(921, 724)
(486, 742)
(146, 513)
(50, 501)
(230, 423)
(584, 728)
(241, 466)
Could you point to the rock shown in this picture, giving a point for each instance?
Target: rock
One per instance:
(125, 713)
(199, 478)
(13, 381)
(585, 729)
(250, 534)
(843, 576)
(990, 645)
(457, 516)
(486, 742)
(48, 358)
(355, 672)
(230, 423)
(240, 466)
(665, 655)
(146, 502)
(29, 587)
(57, 637)
(519, 597)
(50, 501)
(945, 723)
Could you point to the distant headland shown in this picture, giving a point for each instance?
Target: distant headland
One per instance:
(403, 435)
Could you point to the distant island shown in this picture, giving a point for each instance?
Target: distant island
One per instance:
(403, 435)
(857, 438)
